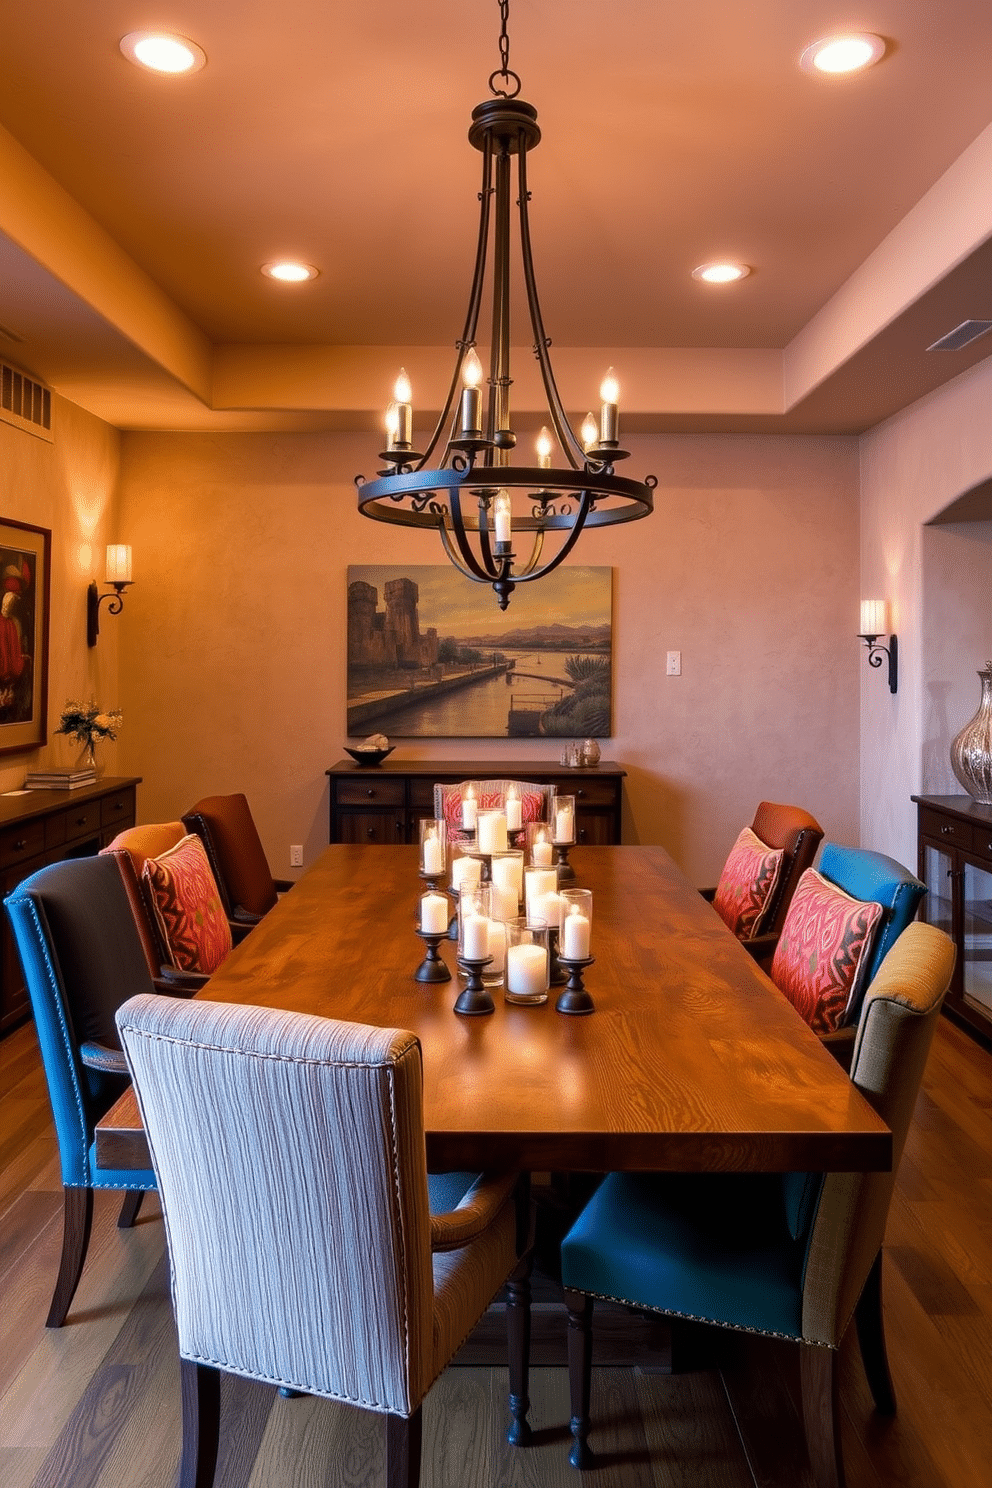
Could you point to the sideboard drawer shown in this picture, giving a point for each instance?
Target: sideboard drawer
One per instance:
(117, 807)
(380, 792)
(588, 792)
(82, 821)
(19, 843)
(945, 829)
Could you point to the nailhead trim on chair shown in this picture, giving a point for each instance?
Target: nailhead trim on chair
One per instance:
(693, 1317)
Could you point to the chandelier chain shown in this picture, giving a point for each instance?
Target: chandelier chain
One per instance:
(504, 72)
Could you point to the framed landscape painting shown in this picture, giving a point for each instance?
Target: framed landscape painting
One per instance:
(431, 657)
(25, 576)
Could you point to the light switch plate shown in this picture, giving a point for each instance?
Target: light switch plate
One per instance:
(296, 856)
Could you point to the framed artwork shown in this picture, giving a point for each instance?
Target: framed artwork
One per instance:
(25, 579)
(430, 656)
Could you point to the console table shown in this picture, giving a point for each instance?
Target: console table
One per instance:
(955, 863)
(385, 803)
(45, 826)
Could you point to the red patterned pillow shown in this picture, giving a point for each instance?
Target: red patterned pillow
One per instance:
(747, 884)
(187, 905)
(824, 950)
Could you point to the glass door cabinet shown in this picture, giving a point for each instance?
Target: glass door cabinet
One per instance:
(955, 863)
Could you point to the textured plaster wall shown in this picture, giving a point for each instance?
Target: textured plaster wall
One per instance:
(957, 639)
(912, 467)
(233, 646)
(70, 487)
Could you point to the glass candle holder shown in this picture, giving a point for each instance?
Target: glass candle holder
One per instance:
(470, 806)
(433, 847)
(563, 821)
(507, 871)
(491, 831)
(466, 866)
(576, 924)
(473, 923)
(538, 884)
(434, 913)
(539, 848)
(528, 963)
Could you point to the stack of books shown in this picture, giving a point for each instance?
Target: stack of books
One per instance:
(59, 779)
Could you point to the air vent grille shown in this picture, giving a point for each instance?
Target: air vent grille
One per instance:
(25, 403)
(962, 335)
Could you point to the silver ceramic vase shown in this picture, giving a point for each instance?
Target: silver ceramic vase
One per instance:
(971, 752)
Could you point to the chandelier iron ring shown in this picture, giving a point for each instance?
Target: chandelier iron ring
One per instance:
(510, 91)
(635, 496)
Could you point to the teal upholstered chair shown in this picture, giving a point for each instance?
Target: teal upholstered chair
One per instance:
(82, 958)
(794, 1256)
(383, 1293)
(871, 875)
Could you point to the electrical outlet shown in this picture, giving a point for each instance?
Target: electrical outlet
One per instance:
(296, 856)
(674, 667)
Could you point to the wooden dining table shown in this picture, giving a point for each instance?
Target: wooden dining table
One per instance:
(692, 1060)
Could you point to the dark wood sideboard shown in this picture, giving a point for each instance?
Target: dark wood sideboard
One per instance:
(385, 803)
(46, 826)
(955, 863)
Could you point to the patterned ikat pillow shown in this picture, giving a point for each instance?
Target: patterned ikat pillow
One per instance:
(824, 950)
(747, 884)
(188, 906)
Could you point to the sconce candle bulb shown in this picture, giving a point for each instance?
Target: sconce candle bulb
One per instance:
(118, 577)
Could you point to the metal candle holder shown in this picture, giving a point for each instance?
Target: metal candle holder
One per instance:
(566, 873)
(431, 881)
(559, 975)
(575, 999)
(475, 1000)
(432, 968)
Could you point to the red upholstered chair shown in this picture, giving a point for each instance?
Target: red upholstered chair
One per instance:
(235, 852)
(797, 835)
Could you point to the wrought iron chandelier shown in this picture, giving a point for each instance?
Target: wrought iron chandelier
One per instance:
(467, 493)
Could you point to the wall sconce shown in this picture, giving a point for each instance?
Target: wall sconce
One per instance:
(118, 576)
(875, 623)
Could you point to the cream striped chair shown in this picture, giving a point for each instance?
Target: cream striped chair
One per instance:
(291, 1164)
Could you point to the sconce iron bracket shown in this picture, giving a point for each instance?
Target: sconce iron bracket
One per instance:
(94, 599)
(877, 651)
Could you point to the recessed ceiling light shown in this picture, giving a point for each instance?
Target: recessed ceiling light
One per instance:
(837, 55)
(289, 273)
(160, 51)
(721, 273)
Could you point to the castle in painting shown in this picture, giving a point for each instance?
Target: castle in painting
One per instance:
(389, 638)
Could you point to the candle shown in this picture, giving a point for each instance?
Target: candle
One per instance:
(471, 405)
(497, 948)
(503, 516)
(537, 883)
(541, 852)
(404, 413)
(514, 810)
(503, 901)
(549, 907)
(527, 970)
(508, 871)
(434, 914)
(564, 824)
(609, 417)
(575, 930)
(544, 447)
(590, 432)
(475, 938)
(433, 854)
(470, 809)
(466, 872)
(492, 831)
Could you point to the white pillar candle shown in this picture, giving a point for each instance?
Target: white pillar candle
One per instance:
(514, 810)
(497, 948)
(549, 907)
(508, 873)
(475, 938)
(470, 810)
(433, 854)
(434, 914)
(466, 872)
(537, 883)
(541, 852)
(564, 824)
(503, 901)
(527, 970)
(575, 935)
(492, 832)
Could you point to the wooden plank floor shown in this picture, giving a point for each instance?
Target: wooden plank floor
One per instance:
(96, 1404)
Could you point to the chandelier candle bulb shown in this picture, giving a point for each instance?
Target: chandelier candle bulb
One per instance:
(503, 513)
(590, 433)
(609, 417)
(434, 914)
(402, 392)
(471, 405)
(544, 447)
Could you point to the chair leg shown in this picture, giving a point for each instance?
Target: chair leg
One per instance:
(871, 1340)
(403, 1442)
(129, 1208)
(76, 1225)
(579, 1375)
(200, 1388)
(821, 1413)
(518, 1351)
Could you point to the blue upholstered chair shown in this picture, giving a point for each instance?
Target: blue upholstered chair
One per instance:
(82, 958)
(870, 875)
(337, 1110)
(794, 1256)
